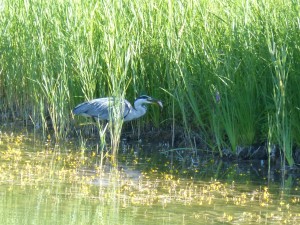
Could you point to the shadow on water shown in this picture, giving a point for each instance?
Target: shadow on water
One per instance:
(155, 154)
(190, 163)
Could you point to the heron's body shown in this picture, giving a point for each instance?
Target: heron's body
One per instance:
(102, 108)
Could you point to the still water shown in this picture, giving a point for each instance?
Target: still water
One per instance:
(43, 183)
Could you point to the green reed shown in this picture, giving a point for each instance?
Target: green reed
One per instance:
(56, 54)
(282, 114)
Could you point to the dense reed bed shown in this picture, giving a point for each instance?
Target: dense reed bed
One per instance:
(228, 70)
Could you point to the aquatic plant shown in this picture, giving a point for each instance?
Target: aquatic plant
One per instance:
(282, 117)
(57, 184)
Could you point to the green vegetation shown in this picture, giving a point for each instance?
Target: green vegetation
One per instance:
(226, 69)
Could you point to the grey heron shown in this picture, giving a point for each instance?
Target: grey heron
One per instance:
(102, 108)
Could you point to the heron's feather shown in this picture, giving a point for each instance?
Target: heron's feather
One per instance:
(103, 108)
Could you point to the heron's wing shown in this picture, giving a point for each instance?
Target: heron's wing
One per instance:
(102, 108)
(93, 108)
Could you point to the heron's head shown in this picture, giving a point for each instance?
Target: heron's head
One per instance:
(145, 99)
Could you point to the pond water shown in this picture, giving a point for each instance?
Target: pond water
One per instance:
(42, 183)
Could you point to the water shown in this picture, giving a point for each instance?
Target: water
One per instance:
(41, 183)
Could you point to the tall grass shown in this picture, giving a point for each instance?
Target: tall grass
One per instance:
(55, 54)
(282, 117)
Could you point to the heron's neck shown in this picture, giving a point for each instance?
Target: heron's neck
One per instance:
(140, 108)
(137, 111)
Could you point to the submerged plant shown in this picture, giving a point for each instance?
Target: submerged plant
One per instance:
(55, 184)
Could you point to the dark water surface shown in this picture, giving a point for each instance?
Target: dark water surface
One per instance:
(43, 183)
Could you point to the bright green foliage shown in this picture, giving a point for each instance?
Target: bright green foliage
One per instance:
(220, 60)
